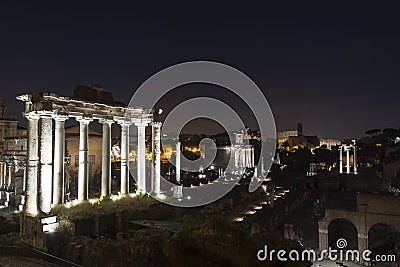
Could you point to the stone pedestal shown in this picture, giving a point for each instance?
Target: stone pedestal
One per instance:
(34, 229)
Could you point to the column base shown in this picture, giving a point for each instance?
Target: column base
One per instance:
(140, 192)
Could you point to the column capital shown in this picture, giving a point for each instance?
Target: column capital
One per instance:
(83, 119)
(32, 116)
(58, 117)
(106, 121)
(141, 123)
(156, 123)
(45, 113)
(123, 122)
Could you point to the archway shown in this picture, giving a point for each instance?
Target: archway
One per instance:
(342, 229)
(383, 239)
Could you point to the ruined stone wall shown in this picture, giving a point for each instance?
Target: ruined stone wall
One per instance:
(380, 204)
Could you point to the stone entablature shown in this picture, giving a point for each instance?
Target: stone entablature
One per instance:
(50, 103)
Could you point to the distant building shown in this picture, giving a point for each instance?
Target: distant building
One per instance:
(95, 149)
(295, 138)
(284, 136)
(8, 126)
(13, 149)
(329, 143)
(308, 141)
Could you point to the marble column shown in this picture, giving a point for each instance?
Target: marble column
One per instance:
(236, 157)
(83, 172)
(341, 159)
(243, 157)
(5, 175)
(348, 159)
(141, 157)
(24, 180)
(156, 146)
(10, 171)
(252, 157)
(178, 162)
(262, 168)
(125, 158)
(59, 153)
(246, 157)
(106, 159)
(249, 157)
(355, 159)
(32, 164)
(1, 176)
(46, 163)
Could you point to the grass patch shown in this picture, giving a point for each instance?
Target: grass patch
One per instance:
(106, 205)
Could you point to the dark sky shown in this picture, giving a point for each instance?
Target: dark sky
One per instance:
(334, 67)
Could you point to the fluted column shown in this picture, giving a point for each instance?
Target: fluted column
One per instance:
(141, 160)
(46, 163)
(106, 159)
(178, 162)
(156, 146)
(124, 157)
(83, 172)
(59, 153)
(32, 164)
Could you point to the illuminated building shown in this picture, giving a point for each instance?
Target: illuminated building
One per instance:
(348, 148)
(329, 143)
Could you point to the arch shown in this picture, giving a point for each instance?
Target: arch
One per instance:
(383, 238)
(342, 228)
(389, 220)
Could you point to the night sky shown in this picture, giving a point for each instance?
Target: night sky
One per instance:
(335, 68)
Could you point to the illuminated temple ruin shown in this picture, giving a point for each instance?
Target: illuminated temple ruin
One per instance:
(45, 182)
